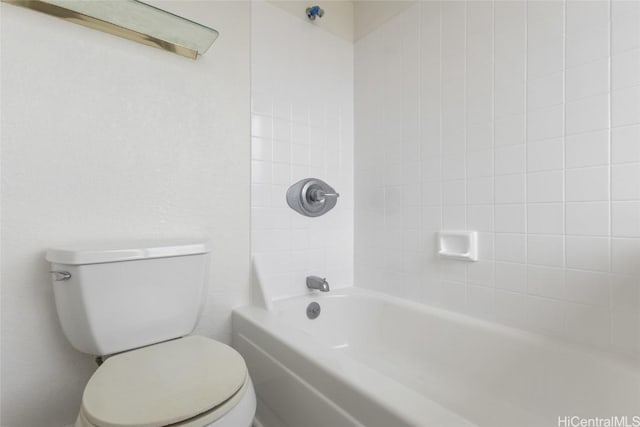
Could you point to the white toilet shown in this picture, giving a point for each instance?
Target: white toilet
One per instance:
(134, 305)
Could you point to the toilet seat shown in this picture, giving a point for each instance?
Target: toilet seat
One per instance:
(189, 381)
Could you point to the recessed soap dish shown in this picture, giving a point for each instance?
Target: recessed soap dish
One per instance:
(461, 245)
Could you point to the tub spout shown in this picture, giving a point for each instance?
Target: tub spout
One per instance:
(319, 283)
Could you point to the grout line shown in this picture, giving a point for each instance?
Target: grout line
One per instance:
(465, 130)
(609, 163)
(440, 144)
(493, 163)
(564, 163)
(526, 141)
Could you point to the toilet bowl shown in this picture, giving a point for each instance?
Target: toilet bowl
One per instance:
(135, 306)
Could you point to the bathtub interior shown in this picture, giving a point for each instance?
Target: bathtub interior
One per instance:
(485, 372)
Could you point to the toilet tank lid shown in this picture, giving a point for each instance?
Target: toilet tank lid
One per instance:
(97, 253)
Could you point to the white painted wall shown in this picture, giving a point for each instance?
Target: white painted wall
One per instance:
(103, 138)
(302, 126)
(520, 120)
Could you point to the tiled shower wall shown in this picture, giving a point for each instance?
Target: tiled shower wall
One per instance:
(520, 120)
(302, 126)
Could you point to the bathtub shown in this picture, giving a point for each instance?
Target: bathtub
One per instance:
(374, 360)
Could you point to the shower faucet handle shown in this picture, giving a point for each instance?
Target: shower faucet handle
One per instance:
(319, 195)
(312, 197)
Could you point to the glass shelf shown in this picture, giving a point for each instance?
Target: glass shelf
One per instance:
(132, 20)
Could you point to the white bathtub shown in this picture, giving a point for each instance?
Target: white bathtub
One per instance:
(375, 360)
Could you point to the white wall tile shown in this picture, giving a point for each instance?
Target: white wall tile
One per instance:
(511, 277)
(481, 21)
(281, 151)
(545, 155)
(480, 191)
(479, 135)
(282, 129)
(454, 192)
(587, 219)
(281, 176)
(588, 114)
(624, 144)
(509, 100)
(261, 103)
(546, 281)
(545, 186)
(587, 287)
(453, 27)
(432, 193)
(588, 79)
(453, 165)
(510, 130)
(625, 106)
(300, 133)
(545, 123)
(587, 45)
(587, 253)
(545, 22)
(625, 69)
(260, 149)
(486, 247)
(584, 15)
(625, 181)
(454, 217)
(480, 217)
(587, 149)
(625, 293)
(432, 218)
(480, 302)
(481, 273)
(260, 172)
(509, 160)
(545, 59)
(509, 71)
(454, 296)
(260, 195)
(480, 163)
(510, 247)
(509, 27)
(545, 218)
(512, 308)
(624, 256)
(510, 218)
(625, 31)
(545, 250)
(545, 91)
(587, 184)
(261, 126)
(510, 188)
(625, 219)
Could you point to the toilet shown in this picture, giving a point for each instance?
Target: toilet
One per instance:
(133, 306)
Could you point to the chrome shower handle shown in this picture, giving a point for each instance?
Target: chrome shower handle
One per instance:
(312, 197)
(318, 195)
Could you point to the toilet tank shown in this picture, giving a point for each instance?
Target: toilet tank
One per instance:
(112, 298)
